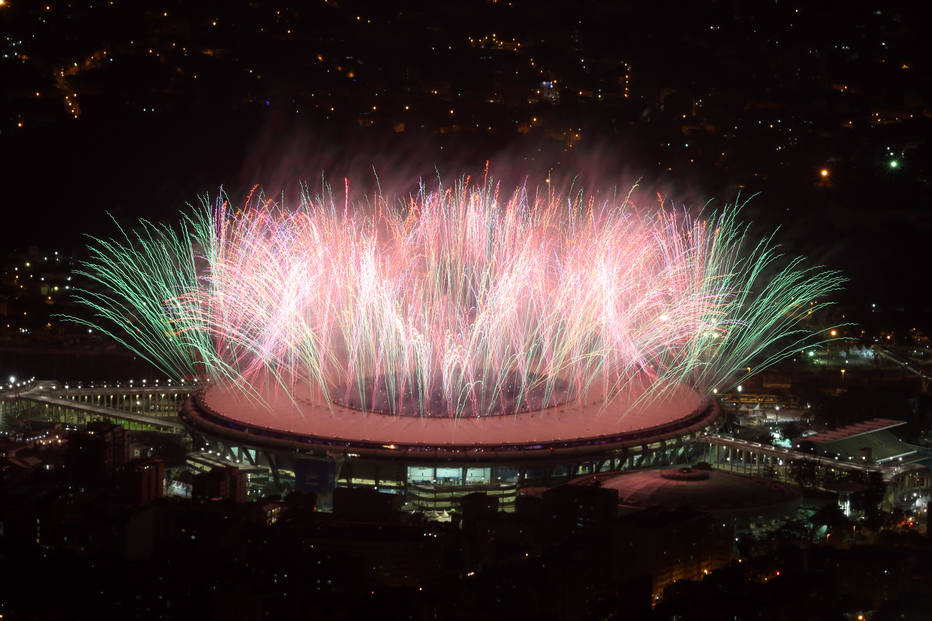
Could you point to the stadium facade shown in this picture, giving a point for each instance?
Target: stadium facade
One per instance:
(434, 461)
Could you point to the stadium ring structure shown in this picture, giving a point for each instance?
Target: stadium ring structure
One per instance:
(433, 461)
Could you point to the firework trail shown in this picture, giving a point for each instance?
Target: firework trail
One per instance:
(462, 301)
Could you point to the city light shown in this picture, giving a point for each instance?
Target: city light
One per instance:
(824, 173)
(894, 164)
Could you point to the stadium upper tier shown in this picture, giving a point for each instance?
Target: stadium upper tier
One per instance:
(282, 421)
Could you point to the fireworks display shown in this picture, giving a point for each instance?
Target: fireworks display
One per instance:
(463, 301)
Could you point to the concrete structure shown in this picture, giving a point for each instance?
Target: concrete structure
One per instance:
(224, 483)
(869, 442)
(144, 481)
(141, 407)
(902, 478)
(435, 461)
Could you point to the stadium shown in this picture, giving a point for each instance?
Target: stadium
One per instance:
(422, 457)
(458, 340)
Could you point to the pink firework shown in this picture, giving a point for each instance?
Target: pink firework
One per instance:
(462, 301)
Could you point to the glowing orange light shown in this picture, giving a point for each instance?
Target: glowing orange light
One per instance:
(824, 172)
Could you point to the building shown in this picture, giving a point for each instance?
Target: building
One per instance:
(99, 450)
(433, 462)
(865, 442)
(144, 481)
(224, 483)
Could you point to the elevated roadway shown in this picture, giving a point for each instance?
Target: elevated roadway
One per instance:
(41, 392)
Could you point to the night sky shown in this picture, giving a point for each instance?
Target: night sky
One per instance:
(136, 108)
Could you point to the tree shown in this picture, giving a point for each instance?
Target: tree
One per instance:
(764, 438)
(791, 430)
(803, 471)
(832, 517)
(870, 500)
(792, 531)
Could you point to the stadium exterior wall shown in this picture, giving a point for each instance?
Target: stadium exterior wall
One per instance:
(387, 465)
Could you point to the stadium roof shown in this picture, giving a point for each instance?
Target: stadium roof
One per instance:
(883, 446)
(285, 421)
(851, 431)
(873, 436)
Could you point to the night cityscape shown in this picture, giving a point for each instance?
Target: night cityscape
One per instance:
(449, 310)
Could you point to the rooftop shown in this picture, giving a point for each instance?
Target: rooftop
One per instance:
(857, 429)
(289, 419)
